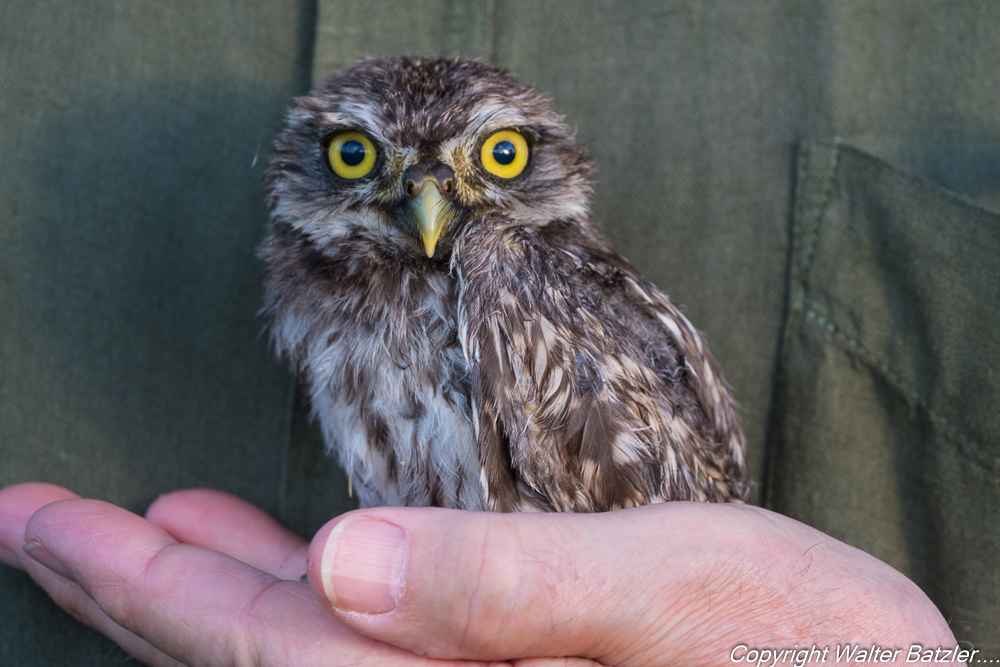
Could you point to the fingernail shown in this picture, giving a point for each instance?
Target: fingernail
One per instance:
(364, 565)
(39, 553)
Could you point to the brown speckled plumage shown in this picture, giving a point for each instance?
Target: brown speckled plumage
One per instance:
(525, 365)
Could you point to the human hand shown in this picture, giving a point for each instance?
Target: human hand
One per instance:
(674, 583)
(208, 579)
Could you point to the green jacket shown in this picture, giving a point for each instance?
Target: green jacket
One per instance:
(849, 287)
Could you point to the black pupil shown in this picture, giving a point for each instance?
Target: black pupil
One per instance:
(503, 152)
(352, 153)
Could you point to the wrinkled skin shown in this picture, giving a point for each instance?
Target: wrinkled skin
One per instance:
(207, 579)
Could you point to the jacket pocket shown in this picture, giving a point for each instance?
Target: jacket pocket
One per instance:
(885, 432)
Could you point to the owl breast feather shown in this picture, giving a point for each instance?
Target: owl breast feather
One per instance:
(591, 390)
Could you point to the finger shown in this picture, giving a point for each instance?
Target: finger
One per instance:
(74, 600)
(232, 526)
(487, 586)
(17, 504)
(674, 583)
(167, 602)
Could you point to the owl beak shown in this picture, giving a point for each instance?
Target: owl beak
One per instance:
(427, 183)
(432, 211)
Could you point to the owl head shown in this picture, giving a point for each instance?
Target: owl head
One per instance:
(416, 150)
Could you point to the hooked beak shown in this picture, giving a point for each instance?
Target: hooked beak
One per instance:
(431, 211)
(427, 184)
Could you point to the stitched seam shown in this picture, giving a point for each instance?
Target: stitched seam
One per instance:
(810, 234)
(940, 422)
(922, 183)
(798, 221)
(797, 270)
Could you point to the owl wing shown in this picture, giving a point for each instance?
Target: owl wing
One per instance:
(591, 390)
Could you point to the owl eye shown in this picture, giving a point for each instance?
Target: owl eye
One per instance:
(351, 154)
(505, 154)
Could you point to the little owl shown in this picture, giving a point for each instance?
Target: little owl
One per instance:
(468, 339)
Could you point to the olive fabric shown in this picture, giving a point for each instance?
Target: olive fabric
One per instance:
(852, 300)
(885, 430)
(132, 360)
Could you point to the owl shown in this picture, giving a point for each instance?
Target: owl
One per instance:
(467, 337)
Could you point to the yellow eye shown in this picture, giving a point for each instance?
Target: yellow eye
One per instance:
(505, 154)
(351, 154)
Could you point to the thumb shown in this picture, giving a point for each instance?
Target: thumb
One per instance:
(616, 587)
(675, 583)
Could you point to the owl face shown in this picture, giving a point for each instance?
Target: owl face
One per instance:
(415, 151)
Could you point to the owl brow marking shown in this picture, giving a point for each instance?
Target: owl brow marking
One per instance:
(351, 110)
(500, 111)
